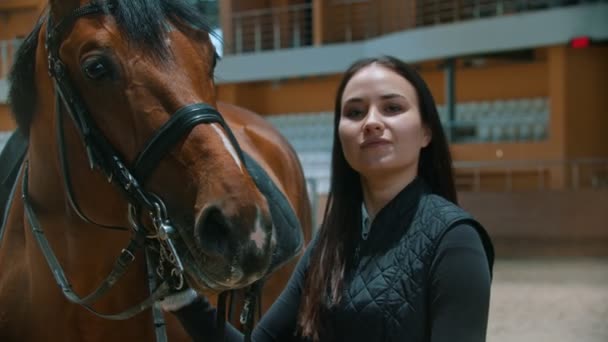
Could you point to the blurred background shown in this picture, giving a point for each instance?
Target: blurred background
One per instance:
(522, 90)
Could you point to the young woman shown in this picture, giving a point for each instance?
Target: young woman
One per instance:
(395, 258)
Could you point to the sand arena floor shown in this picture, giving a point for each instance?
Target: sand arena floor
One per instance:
(556, 300)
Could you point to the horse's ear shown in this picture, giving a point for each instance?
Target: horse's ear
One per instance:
(61, 8)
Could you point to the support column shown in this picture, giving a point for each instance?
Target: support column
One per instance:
(317, 22)
(225, 9)
(557, 78)
(450, 96)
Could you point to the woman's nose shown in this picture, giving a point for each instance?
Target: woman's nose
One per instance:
(373, 123)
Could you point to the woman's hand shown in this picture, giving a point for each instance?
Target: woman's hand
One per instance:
(195, 313)
(178, 300)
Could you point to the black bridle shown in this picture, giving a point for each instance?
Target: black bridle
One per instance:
(102, 156)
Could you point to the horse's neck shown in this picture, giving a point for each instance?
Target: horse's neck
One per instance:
(68, 234)
(98, 199)
(87, 252)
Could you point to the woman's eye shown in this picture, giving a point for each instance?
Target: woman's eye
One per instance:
(393, 108)
(353, 113)
(96, 68)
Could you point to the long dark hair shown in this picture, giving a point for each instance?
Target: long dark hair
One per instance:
(335, 242)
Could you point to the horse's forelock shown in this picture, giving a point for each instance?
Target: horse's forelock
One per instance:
(144, 22)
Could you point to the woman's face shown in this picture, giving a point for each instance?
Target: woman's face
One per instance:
(380, 126)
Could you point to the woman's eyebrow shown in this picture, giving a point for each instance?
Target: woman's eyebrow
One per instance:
(391, 95)
(354, 99)
(382, 97)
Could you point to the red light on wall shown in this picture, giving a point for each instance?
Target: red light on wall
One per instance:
(580, 42)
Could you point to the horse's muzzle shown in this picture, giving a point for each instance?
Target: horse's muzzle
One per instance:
(241, 247)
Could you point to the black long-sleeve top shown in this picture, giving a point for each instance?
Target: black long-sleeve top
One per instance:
(459, 297)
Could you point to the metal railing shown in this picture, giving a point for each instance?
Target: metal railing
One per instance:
(354, 20)
(272, 29)
(472, 176)
(530, 175)
(351, 20)
(504, 175)
(8, 49)
(433, 12)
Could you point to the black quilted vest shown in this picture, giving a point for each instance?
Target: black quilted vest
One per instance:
(386, 298)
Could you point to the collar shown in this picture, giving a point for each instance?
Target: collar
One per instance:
(366, 223)
(395, 217)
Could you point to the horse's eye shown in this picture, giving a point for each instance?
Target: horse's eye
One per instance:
(97, 68)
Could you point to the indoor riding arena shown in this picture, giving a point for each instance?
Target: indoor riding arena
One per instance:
(521, 92)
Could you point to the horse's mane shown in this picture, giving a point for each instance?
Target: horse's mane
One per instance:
(144, 25)
(22, 94)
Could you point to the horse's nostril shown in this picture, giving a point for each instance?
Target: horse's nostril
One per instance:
(214, 232)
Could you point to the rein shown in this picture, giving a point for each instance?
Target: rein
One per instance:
(126, 257)
(102, 156)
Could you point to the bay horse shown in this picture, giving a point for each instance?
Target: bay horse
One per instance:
(136, 181)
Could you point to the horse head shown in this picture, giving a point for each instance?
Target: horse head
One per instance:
(136, 79)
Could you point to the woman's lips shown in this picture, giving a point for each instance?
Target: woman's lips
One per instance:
(370, 143)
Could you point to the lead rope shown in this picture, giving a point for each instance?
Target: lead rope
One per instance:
(160, 328)
(231, 305)
(221, 316)
(252, 296)
(251, 305)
